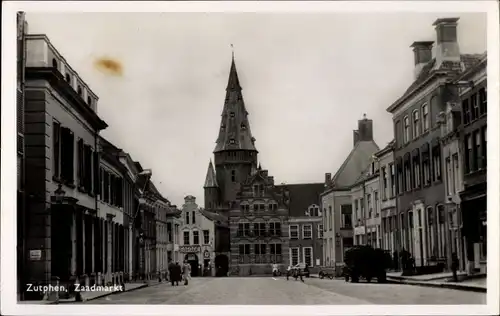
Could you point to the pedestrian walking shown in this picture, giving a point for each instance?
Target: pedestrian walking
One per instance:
(275, 269)
(186, 269)
(288, 271)
(454, 266)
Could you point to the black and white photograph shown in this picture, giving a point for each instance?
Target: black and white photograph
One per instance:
(289, 157)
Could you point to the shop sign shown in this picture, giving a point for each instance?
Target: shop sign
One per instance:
(35, 255)
(206, 254)
(186, 249)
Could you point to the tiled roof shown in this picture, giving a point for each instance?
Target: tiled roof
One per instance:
(357, 161)
(219, 219)
(211, 179)
(466, 62)
(234, 131)
(302, 196)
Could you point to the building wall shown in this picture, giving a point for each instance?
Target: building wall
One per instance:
(203, 249)
(44, 105)
(388, 210)
(367, 229)
(244, 257)
(162, 237)
(314, 242)
(336, 237)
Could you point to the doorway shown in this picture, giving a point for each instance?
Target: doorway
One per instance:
(221, 265)
(192, 259)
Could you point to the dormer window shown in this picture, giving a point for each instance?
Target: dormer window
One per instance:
(313, 210)
(54, 63)
(243, 127)
(68, 78)
(232, 141)
(79, 90)
(231, 114)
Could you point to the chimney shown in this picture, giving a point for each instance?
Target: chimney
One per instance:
(422, 52)
(355, 137)
(365, 129)
(447, 49)
(328, 178)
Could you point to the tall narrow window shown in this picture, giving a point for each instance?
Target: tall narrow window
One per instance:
(469, 158)
(456, 173)
(484, 147)
(186, 220)
(67, 155)
(416, 123)
(393, 179)
(479, 150)
(448, 176)
(474, 106)
(233, 175)
(56, 150)
(398, 133)
(406, 132)
(196, 237)
(466, 111)
(186, 238)
(482, 101)
(193, 217)
(384, 183)
(425, 117)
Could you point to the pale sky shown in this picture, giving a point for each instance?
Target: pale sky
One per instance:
(306, 78)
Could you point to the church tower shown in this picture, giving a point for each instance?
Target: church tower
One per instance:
(235, 152)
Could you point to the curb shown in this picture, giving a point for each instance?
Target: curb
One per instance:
(441, 285)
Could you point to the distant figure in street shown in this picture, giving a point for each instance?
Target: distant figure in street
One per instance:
(177, 273)
(288, 272)
(275, 269)
(186, 269)
(171, 271)
(454, 266)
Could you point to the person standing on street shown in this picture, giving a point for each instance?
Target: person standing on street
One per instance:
(275, 269)
(171, 271)
(454, 266)
(288, 271)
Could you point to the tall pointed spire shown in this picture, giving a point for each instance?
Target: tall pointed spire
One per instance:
(211, 180)
(233, 83)
(234, 130)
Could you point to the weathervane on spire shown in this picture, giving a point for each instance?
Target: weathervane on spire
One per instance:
(232, 50)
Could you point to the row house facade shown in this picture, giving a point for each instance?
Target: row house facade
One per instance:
(198, 238)
(174, 224)
(305, 224)
(259, 226)
(388, 208)
(81, 221)
(420, 188)
(365, 196)
(336, 200)
(473, 146)
(61, 198)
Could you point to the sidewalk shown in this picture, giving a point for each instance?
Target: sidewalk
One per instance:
(475, 284)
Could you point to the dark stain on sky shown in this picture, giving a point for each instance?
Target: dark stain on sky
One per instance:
(109, 66)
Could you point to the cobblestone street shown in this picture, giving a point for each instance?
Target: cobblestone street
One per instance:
(279, 291)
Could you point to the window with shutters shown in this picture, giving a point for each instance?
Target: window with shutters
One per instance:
(87, 168)
(97, 185)
(105, 187)
(81, 164)
(56, 149)
(67, 156)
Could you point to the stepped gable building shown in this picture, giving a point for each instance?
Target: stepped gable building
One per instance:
(233, 181)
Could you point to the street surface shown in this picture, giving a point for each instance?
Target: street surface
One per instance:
(279, 291)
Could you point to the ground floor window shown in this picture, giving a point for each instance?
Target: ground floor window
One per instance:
(308, 256)
(294, 256)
